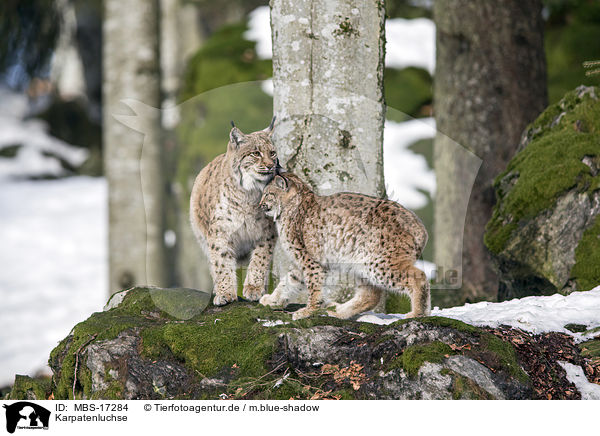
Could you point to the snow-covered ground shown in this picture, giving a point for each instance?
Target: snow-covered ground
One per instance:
(53, 260)
(575, 374)
(53, 270)
(532, 314)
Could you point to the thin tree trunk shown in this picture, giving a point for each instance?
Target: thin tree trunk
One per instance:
(490, 82)
(328, 92)
(134, 172)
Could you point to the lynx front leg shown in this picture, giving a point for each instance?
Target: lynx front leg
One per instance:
(222, 267)
(258, 270)
(314, 276)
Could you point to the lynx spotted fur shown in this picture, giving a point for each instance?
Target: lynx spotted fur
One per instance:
(226, 217)
(375, 239)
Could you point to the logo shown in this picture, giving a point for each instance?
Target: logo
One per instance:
(26, 415)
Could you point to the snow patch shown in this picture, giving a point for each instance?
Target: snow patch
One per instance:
(575, 374)
(533, 314)
(270, 323)
(54, 266)
(410, 43)
(259, 31)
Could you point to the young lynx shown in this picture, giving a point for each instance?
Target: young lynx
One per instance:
(225, 214)
(377, 240)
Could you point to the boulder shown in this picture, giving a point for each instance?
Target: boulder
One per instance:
(545, 230)
(141, 348)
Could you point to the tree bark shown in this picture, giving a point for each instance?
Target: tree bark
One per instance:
(328, 93)
(490, 82)
(133, 162)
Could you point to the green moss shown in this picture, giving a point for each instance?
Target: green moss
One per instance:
(346, 28)
(576, 328)
(368, 328)
(590, 348)
(9, 151)
(463, 388)
(586, 270)
(550, 165)
(212, 344)
(413, 357)
(27, 388)
(503, 355)
(137, 310)
(455, 324)
(397, 303)
(490, 350)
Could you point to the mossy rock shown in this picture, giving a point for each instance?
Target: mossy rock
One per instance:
(138, 350)
(545, 230)
(28, 388)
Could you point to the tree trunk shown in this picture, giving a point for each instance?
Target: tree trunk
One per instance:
(490, 82)
(132, 160)
(328, 93)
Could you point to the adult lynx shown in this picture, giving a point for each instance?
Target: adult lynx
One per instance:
(225, 214)
(377, 240)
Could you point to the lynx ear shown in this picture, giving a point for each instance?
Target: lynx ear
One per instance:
(236, 136)
(281, 182)
(269, 129)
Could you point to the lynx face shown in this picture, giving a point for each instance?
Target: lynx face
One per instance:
(274, 196)
(255, 157)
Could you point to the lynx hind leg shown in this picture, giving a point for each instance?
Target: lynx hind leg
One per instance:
(365, 298)
(414, 281)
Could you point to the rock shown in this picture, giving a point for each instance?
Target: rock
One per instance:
(137, 350)
(545, 231)
(28, 388)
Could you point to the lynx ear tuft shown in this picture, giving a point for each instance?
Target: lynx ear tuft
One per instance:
(281, 182)
(269, 129)
(236, 136)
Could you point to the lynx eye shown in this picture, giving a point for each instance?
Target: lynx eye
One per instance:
(254, 154)
(273, 153)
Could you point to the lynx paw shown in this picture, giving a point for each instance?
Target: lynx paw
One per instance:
(222, 298)
(253, 293)
(273, 301)
(413, 314)
(305, 312)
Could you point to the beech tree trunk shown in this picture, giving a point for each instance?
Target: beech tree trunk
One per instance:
(490, 82)
(328, 93)
(133, 162)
